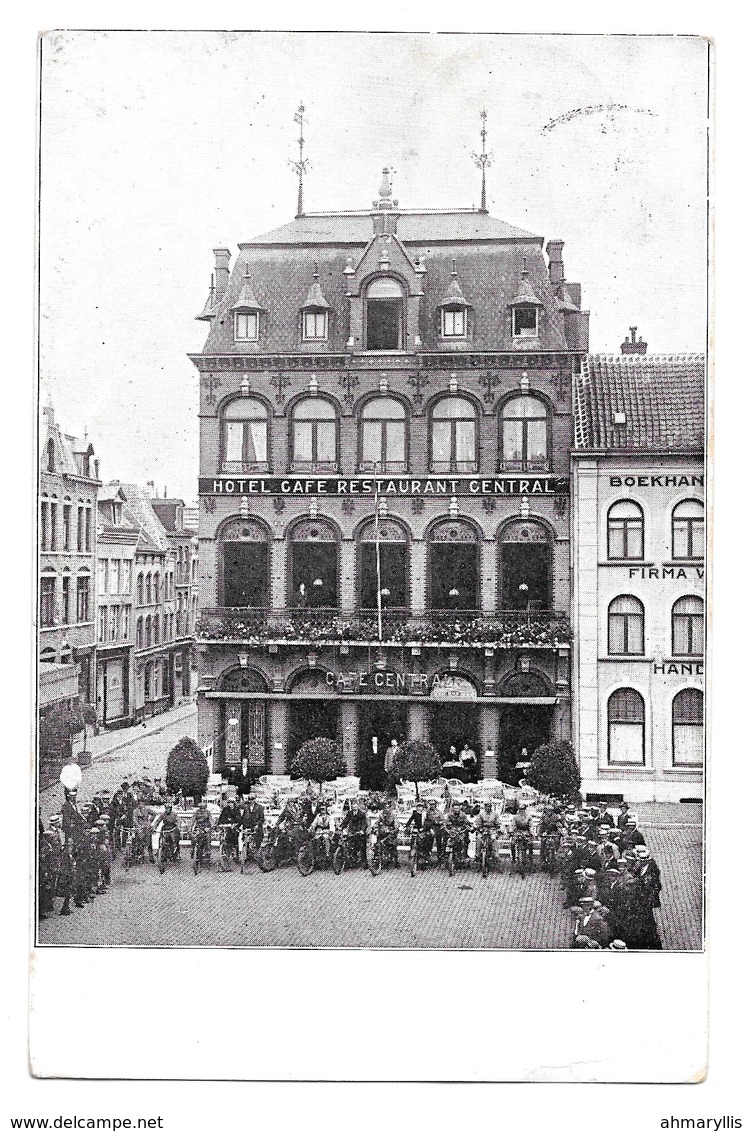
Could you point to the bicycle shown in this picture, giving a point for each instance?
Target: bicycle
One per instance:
(485, 851)
(132, 848)
(521, 850)
(347, 851)
(167, 852)
(226, 850)
(312, 854)
(200, 848)
(247, 848)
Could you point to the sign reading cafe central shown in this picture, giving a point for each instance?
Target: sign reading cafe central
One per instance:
(425, 486)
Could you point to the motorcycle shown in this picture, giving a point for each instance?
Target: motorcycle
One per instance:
(226, 848)
(280, 846)
(348, 852)
(313, 854)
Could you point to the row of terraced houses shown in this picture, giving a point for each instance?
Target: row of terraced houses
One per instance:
(425, 509)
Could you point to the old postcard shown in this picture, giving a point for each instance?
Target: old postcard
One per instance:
(372, 533)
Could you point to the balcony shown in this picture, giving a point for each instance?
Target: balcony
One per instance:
(457, 629)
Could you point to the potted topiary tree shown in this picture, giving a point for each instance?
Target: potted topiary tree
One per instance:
(554, 769)
(187, 769)
(319, 760)
(416, 760)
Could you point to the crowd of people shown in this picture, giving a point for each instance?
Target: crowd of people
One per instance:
(610, 880)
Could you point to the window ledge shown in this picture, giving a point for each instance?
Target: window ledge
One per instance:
(642, 659)
(638, 562)
(685, 562)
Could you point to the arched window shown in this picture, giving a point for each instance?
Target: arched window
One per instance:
(47, 600)
(314, 435)
(525, 564)
(383, 436)
(157, 589)
(626, 724)
(453, 436)
(688, 530)
(140, 589)
(156, 628)
(50, 454)
(625, 627)
(687, 727)
(148, 632)
(243, 547)
(139, 632)
(625, 531)
(392, 575)
(245, 425)
(687, 627)
(384, 315)
(524, 435)
(313, 565)
(453, 566)
(148, 589)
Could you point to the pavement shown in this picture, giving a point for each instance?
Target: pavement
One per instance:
(285, 909)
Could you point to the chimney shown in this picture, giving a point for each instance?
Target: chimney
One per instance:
(630, 345)
(221, 270)
(556, 266)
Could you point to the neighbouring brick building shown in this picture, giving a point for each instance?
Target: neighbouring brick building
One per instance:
(386, 420)
(639, 575)
(117, 539)
(68, 482)
(184, 544)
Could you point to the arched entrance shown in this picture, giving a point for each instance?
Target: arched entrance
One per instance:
(523, 726)
(313, 713)
(454, 714)
(244, 727)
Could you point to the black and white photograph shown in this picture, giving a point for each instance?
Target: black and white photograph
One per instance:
(373, 432)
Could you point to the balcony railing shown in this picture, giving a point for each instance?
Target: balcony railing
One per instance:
(508, 628)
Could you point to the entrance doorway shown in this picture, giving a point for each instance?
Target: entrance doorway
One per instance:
(523, 727)
(311, 718)
(244, 726)
(383, 721)
(454, 724)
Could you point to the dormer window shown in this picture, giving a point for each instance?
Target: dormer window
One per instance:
(453, 322)
(246, 326)
(315, 325)
(525, 322)
(384, 315)
(315, 313)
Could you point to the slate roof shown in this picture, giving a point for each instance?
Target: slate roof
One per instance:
(412, 227)
(662, 397)
(138, 508)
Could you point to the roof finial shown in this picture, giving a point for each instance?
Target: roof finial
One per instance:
(483, 159)
(300, 166)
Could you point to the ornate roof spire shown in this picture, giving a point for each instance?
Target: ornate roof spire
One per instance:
(526, 294)
(207, 313)
(247, 299)
(315, 300)
(301, 166)
(483, 159)
(454, 294)
(385, 201)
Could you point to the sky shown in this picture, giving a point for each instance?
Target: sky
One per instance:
(157, 147)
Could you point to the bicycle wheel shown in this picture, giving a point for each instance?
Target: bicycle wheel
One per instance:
(161, 858)
(267, 858)
(305, 859)
(127, 855)
(451, 862)
(484, 862)
(414, 860)
(338, 860)
(225, 863)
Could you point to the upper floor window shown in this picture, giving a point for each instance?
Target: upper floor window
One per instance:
(383, 436)
(314, 435)
(454, 322)
(453, 436)
(80, 528)
(688, 530)
(626, 621)
(82, 598)
(139, 632)
(525, 321)
(114, 587)
(66, 598)
(525, 435)
(148, 589)
(47, 601)
(626, 725)
(384, 315)
(687, 627)
(625, 531)
(44, 529)
(102, 624)
(245, 426)
(66, 526)
(140, 589)
(315, 325)
(687, 727)
(50, 454)
(247, 325)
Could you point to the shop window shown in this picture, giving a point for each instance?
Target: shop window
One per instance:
(313, 571)
(245, 424)
(687, 727)
(688, 530)
(625, 627)
(687, 627)
(246, 326)
(314, 435)
(625, 530)
(524, 435)
(626, 725)
(388, 574)
(525, 560)
(47, 601)
(384, 315)
(383, 436)
(244, 565)
(453, 566)
(453, 436)
(82, 598)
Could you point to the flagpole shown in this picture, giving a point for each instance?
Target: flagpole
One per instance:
(378, 564)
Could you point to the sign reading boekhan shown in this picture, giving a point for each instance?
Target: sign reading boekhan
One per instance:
(403, 485)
